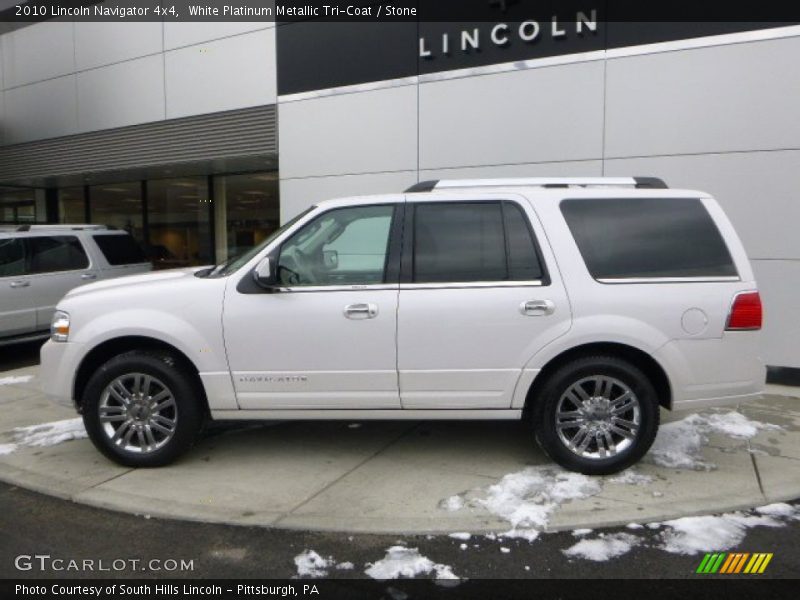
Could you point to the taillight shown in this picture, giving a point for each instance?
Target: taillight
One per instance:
(746, 312)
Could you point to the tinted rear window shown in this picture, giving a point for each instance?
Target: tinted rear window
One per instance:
(459, 242)
(647, 237)
(50, 254)
(120, 249)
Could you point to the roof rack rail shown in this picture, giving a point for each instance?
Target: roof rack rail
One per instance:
(545, 182)
(64, 227)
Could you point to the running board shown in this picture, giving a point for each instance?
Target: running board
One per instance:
(367, 415)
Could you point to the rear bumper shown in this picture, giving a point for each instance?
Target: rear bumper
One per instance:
(59, 365)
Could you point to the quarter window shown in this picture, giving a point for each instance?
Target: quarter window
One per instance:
(473, 241)
(647, 238)
(345, 246)
(48, 254)
(120, 249)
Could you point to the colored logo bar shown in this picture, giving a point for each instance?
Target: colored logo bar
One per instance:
(731, 563)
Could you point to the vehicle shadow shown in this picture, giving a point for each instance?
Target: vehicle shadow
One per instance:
(18, 356)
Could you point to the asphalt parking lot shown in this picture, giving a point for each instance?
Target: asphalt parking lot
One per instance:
(337, 499)
(61, 529)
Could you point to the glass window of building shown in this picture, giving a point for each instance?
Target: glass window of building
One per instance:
(71, 205)
(17, 205)
(179, 222)
(118, 205)
(248, 209)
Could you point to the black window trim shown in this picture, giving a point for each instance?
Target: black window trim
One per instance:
(407, 255)
(655, 280)
(391, 270)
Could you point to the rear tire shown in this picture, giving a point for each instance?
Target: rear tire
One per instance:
(596, 415)
(142, 409)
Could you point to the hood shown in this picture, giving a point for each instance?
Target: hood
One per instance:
(131, 280)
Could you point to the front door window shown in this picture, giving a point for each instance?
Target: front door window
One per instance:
(345, 246)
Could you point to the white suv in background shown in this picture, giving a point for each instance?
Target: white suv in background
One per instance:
(581, 305)
(41, 263)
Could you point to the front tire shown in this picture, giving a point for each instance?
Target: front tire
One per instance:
(596, 415)
(142, 409)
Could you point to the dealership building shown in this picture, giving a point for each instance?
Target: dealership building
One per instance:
(200, 138)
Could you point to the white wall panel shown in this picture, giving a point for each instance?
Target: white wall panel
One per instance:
(758, 190)
(365, 132)
(586, 168)
(778, 281)
(232, 73)
(41, 110)
(735, 97)
(177, 35)
(299, 194)
(127, 93)
(104, 43)
(545, 114)
(37, 52)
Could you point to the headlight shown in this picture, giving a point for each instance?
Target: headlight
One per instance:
(59, 327)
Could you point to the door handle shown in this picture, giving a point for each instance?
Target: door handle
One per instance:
(89, 276)
(361, 311)
(537, 308)
(19, 284)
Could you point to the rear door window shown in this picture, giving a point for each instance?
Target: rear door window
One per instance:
(647, 238)
(120, 249)
(50, 254)
(473, 242)
(12, 257)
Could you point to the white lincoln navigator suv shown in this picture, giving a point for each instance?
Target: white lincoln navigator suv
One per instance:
(580, 305)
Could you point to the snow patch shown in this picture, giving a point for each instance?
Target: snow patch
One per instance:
(692, 535)
(581, 532)
(505, 550)
(460, 535)
(407, 562)
(15, 379)
(50, 434)
(678, 444)
(631, 477)
(452, 503)
(527, 499)
(7, 449)
(345, 566)
(311, 564)
(778, 509)
(603, 547)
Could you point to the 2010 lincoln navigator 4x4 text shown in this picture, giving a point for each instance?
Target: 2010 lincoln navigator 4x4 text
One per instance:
(580, 305)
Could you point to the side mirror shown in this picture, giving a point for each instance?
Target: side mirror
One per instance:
(330, 259)
(265, 273)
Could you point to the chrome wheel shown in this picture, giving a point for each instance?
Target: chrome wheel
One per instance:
(138, 413)
(598, 417)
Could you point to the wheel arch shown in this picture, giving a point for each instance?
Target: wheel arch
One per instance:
(641, 359)
(108, 349)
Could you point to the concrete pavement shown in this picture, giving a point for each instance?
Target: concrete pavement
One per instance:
(392, 476)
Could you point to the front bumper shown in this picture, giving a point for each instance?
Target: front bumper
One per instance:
(59, 366)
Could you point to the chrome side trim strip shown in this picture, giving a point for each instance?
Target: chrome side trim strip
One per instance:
(369, 414)
(469, 284)
(668, 280)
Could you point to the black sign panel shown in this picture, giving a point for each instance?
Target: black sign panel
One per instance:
(318, 54)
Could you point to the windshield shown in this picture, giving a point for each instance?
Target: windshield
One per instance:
(235, 263)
